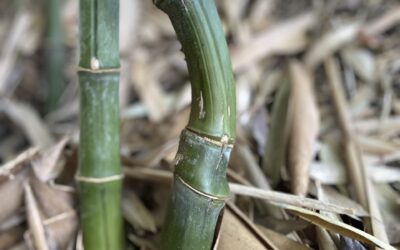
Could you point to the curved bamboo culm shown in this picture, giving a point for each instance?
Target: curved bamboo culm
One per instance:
(200, 186)
(99, 173)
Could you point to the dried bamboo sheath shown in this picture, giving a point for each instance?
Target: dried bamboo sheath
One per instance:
(99, 174)
(200, 186)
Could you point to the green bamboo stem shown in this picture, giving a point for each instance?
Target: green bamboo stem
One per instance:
(200, 186)
(53, 54)
(100, 172)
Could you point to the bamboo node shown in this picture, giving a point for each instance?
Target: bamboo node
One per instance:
(99, 179)
(212, 197)
(99, 71)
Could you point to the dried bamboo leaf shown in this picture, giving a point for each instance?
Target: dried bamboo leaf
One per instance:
(34, 221)
(338, 227)
(332, 167)
(148, 88)
(238, 232)
(325, 241)
(281, 241)
(279, 199)
(20, 246)
(235, 236)
(328, 174)
(305, 126)
(357, 171)
(373, 145)
(274, 197)
(362, 62)
(142, 242)
(10, 237)
(62, 228)
(330, 43)
(375, 125)
(51, 202)
(384, 174)
(284, 38)
(388, 199)
(383, 23)
(29, 120)
(10, 169)
(136, 213)
(47, 167)
(330, 195)
(10, 48)
(257, 177)
(11, 196)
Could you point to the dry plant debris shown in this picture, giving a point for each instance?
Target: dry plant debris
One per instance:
(317, 159)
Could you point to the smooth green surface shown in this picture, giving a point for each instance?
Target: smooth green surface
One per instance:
(101, 216)
(53, 54)
(199, 30)
(99, 115)
(192, 220)
(203, 164)
(99, 33)
(100, 203)
(200, 185)
(99, 157)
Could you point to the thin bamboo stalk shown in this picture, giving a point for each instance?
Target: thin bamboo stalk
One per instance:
(200, 187)
(53, 54)
(100, 172)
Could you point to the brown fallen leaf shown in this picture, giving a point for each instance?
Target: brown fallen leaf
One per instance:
(10, 237)
(236, 234)
(329, 43)
(304, 129)
(57, 207)
(338, 227)
(136, 213)
(62, 229)
(383, 23)
(29, 120)
(47, 167)
(10, 204)
(9, 170)
(146, 84)
(274, 197)
(34, 221)
(284, 38)
(281, 241)
(356, 168)
(20, 246)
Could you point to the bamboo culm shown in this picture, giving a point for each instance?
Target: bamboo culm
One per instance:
(53, 54)
(200, 187)
(99, 174)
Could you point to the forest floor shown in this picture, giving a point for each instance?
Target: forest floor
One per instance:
(316, 163)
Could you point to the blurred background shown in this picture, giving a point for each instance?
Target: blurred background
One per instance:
(340, 58)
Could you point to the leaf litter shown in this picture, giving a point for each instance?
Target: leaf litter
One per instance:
(318, 126)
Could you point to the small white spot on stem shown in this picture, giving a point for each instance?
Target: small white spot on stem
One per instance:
(202, 112)
(229, 111)
(94, 63)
